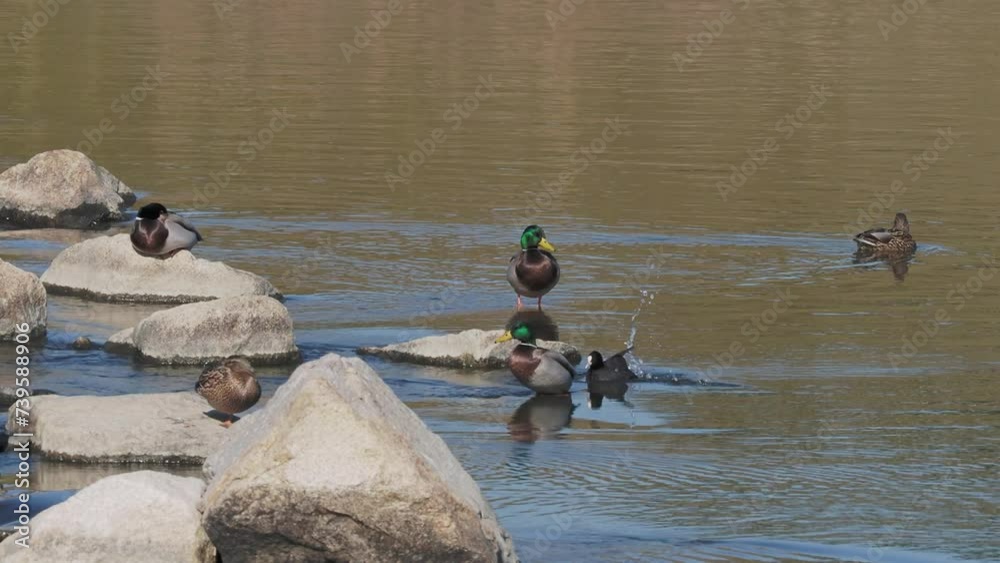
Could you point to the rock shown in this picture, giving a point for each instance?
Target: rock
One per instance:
(108, 269)
(144, 516)
(468, 349)
(22, 300)
(147, 428)
(82, 343)
(61, 188)
(259, 328)
(9, 394)
(336, 468)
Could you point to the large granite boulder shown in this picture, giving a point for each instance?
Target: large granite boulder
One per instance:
(474, 349)
(108, 269)
(143, 516)
(61, 188)
(147, 428)
(259, 328)
(22, 301)
(336, 468)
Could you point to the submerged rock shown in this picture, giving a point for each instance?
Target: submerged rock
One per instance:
(468, 349)
(147, 428)
(144, 516)
(61, 188)
(336, 468)
(22, 301)
(259, 328)
(108, 269)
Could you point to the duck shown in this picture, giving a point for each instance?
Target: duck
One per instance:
(543, 371)
(230, 386)
(533, 271)
(160, 233)
(613, 369)
(887, 242)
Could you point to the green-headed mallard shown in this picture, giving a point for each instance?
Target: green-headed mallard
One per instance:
(157, 232)
(533, 271)
(543, 371)
(887, 242)
(229, 386)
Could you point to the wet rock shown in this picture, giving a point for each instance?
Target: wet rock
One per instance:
(61, 188)
(82, 343)
(467, 349)
(336, 468)
(259, 328)
(144, 516)
(147, 428)
(22, 300)
(108, 269)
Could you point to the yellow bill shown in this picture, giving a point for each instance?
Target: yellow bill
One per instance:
(544, 244)
(506, 336)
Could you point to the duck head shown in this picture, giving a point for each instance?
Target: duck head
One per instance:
(521, 332)
(534, 237)
(152, 211)
(595, 360)
(901, 223)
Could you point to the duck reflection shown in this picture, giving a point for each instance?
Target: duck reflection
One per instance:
(540, 417)
(541, 324)
(899, 265)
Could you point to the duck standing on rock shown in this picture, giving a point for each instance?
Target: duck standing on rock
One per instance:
(543, 371)
(533, 271)
(229, 386)
(159, 233)
(887, 243)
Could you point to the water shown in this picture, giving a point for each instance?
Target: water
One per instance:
(825, 436)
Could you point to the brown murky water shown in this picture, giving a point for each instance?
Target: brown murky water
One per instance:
(715, 185)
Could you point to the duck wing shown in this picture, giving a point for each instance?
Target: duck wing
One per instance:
(874, 237)
(178, 220)
(558, 358)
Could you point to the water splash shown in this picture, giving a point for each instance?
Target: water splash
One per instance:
(634, 362)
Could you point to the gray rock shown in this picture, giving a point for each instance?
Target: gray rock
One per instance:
(144, 516)
(108, 269)
(473, 349)
(148, 428)
(22, 300)
(336, 468)
(61, 188)
(259, 328)
(9, 394)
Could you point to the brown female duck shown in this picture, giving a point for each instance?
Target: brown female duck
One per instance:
(229, 386)
(887, 242)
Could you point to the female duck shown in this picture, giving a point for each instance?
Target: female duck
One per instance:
(533, 271)
(229, 386)
(159, 233)
(887, 242)
(543, 371)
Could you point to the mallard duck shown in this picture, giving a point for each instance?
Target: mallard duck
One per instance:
(612, 369)
(543, 371)
(533, 271)
(229, 386)
(157, 232)
(887, 242)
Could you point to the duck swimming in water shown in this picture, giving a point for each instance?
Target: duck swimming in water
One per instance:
(533, 271)
(229, 386)
(543, 371)
(887, 242)
(159, 233)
